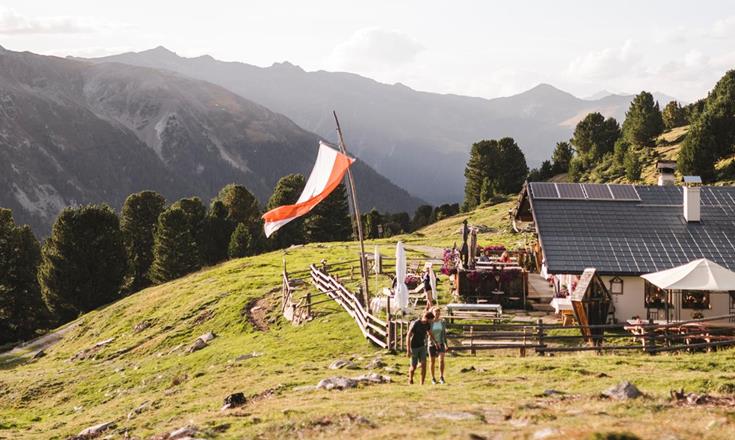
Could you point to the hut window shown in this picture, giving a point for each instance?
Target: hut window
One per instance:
(616, 286)
(655, 298)
(694, 300)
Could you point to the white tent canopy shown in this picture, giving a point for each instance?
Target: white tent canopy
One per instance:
(701, 274)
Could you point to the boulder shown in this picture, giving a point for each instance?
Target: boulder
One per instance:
(451, 415)
(376, 363)
(336, 383)
(183, 433)
(341, 363)
(234, 400)
(139, 409)
(196, 346)
(622, 391)
(207, 336)
(94, 431)
(372, 378)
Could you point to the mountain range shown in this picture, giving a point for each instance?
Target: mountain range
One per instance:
(75, 132)
(419, 140)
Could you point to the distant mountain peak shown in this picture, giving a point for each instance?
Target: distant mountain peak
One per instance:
(545, 91)
(287, 65)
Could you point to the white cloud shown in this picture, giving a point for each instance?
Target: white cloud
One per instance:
(723, 28)
(605, 63)
(374, 50)
(12, 23)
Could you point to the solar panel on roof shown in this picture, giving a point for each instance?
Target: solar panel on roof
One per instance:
(597, 191)
(542, 190)
(623, 192)
(570, 190)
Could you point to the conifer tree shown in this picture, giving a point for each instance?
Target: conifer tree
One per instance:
(423, 216)
(372, 220)
(561, 157)
(83, 262)
(643, 121)
(241, 204)
(175, 250)
(673, 115)
(330, 219)
(287, 191)
(594, 136)
(510, 166)
(196, 218)
(632, 165)
(138, 222)
(22, 310)
(239, 245)
(217, 231)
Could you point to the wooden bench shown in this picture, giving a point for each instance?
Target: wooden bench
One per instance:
(473, 311)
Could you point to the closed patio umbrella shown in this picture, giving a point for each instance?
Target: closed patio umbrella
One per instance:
(401, 292)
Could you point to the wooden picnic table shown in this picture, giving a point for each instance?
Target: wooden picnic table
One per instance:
(473, 311)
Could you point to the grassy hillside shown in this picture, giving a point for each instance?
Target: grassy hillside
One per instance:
(274, 364)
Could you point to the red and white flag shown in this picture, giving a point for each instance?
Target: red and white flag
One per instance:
(327, 174)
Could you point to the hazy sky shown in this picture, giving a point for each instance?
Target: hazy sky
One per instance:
(481, 48)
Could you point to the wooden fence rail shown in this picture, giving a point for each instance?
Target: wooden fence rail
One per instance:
(542, 338)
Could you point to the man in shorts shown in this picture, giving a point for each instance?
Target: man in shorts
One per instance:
(416, 344)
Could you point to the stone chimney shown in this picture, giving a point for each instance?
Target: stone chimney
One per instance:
(692, 204)
(666, 170)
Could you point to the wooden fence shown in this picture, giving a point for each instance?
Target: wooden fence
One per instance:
(543, 338)
(698, 334)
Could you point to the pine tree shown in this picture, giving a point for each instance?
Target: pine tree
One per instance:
(643, 121)
(330, 219)
(241, 204)
(621, 148)
(673, 115)
(138, 221)
(423, 216)
(217, 231)
(287, 191)
(632, 165)
(561, 157)
(239, 242)
(475, 173)
(373, 219)
(83, 262)
(175, 250)
(22, 310)
(196, 218)
(510, 166)
(595, 136)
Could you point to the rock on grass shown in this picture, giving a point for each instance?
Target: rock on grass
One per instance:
(622, 391)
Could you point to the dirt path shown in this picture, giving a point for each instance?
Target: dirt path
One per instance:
(434, 254)
(30, 349)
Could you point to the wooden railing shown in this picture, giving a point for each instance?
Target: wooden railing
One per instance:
(553, 338)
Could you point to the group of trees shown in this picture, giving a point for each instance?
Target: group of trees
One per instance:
(712, 131)
(94, 257)
(494, 167)
(600, 148)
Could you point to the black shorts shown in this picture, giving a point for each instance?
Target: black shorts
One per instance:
(435, 350)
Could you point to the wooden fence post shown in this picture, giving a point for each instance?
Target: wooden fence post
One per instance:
(472, 340)
(308, 305)
(387, 323)
(650, 339)
(540, 336)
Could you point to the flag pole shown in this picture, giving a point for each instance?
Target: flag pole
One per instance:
(356, 209)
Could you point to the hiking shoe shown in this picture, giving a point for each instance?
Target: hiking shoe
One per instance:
(441, 381)
(433, 381)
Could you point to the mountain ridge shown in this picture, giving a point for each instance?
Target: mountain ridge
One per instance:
(77, 132)
(418, 139)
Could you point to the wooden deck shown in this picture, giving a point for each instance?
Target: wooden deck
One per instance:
(540, 293)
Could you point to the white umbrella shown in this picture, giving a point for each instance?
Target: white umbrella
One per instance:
(401, 293)
(701, 274)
